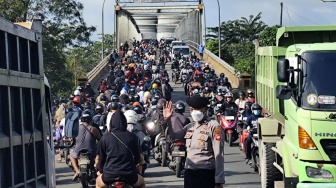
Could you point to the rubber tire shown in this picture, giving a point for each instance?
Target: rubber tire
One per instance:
(269, 173)
(229, 139)
(144, 167)
(66, 157)
(83, 177)
(178, 169)
(164, 158)
(256, 161)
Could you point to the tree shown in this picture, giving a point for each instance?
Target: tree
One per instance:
(63, 27)
(237, 38)
(268, 37)
(88, 56)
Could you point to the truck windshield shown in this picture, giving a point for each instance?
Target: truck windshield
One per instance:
(319, 78)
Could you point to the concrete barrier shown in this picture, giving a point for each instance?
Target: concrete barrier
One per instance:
(94, 75)
(218, 64)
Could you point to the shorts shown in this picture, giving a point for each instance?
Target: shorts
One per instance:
(131, 179)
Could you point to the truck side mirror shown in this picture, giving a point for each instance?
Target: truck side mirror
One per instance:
(283, 92)
(283, 70)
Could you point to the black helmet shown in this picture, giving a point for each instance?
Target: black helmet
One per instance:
(160, 104)
(131, 98)
(103, 98)
(212, 71)
(72, 96)
(125, 108)
(99, 108)
(112, 106)
(86, 116)
(242, 93)
(222, 75)
(248, 104)
(179, 107)
(62, 99)
(108, 87)
(256, 106)
(87, 105)
(92, 100)
(56, 102)
(68, 110)
(226, 79)
(157, 95)
(88, 85)
(115, 98)
(138, 109)
(154, 101)
(136, 98)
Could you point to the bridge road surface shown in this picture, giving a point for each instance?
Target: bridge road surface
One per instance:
(238, 174)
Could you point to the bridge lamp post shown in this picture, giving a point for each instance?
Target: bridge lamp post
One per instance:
(219, 30)
(103, 31)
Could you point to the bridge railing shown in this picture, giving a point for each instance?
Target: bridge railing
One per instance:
(218, 64)
(94, 75)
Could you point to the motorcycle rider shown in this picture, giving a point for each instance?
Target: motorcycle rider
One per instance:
(240, 102)
(86, 140)
(88, 90)
(222, 87)
(204, 166)
(221, 77)
(178, 120)
(251, 121)
(229, 105)
(250, 95)
(114, 153)
(106, 119)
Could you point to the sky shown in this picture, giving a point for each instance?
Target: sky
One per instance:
(295, 12)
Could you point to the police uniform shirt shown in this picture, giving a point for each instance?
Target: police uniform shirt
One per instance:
(205, 147)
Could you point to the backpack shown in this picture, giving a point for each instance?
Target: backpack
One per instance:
(72, 124)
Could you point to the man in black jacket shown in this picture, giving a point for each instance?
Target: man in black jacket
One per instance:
(118, 153)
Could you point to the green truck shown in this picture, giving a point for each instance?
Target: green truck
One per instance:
(295, 84)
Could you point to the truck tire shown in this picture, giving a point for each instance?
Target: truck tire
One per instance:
(269, 173)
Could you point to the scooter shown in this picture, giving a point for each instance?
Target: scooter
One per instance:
(177, 157)
(87, 171)
(119, 183)
(160, 149)
(255, 150)
(229, 124)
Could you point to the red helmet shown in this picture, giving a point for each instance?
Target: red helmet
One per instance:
(141, 83)
(76, 99)
(127, 73)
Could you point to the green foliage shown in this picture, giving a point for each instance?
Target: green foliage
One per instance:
(63, 28)
(237, 41)
(88, 56)
(268, 37)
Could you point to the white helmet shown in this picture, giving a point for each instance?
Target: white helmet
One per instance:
(123, 92)
(121, 44)
(131, 117)
(76, 92)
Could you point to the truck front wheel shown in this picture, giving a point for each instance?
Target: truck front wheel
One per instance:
(269, 173)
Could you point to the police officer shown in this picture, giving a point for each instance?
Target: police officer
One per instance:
(205, 146)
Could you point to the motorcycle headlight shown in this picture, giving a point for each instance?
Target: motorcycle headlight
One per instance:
(318, 173)
(150, 125)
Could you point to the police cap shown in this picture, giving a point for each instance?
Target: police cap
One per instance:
(197, 102)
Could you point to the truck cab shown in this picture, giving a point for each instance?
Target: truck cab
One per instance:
(294, 83)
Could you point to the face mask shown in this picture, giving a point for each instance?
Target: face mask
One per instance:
(257, 112)
(197, 115)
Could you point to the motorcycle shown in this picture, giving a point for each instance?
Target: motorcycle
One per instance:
(229, 124)
(255, 150)
(175, 75)
(177, 157)
(184, 80)
(119, 183)
(87, 171)
(160, 151)
(66, 151)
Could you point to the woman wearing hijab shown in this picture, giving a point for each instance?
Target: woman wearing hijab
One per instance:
(118, 154)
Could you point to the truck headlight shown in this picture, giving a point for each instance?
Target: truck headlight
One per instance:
(317, 173)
